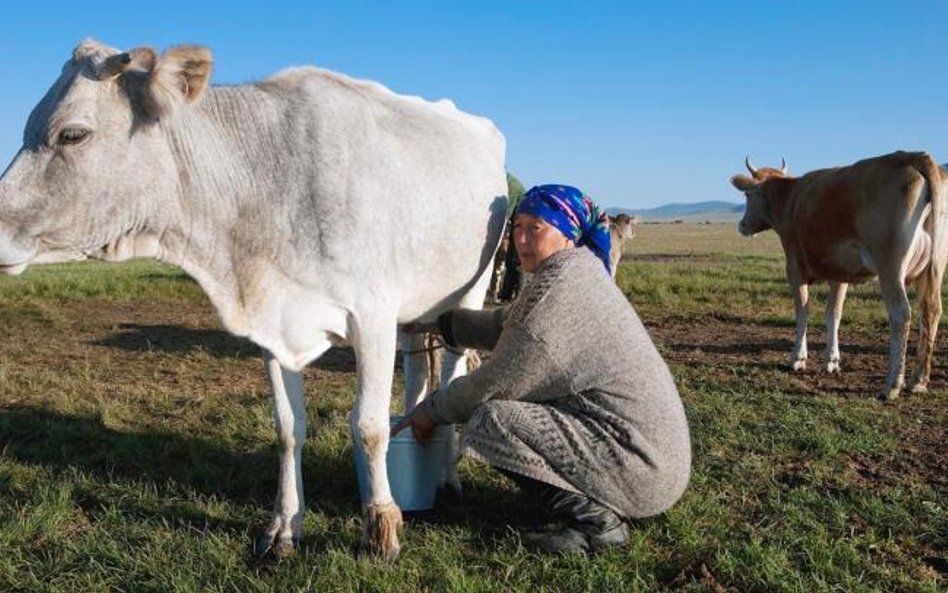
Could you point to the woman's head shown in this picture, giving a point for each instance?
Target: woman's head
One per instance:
(550, 218)
(536, 240)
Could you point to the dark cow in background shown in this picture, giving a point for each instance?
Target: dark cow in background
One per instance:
(880, 217)
(500, 279)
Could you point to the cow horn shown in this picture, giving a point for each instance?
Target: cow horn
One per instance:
(115, 65)
(783, 166)
(750, 166)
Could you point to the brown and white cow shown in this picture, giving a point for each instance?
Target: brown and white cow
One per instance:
(880, 217)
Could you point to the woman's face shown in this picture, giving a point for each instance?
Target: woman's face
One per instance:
(536, 240)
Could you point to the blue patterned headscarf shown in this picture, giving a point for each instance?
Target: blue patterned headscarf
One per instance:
(573, 213)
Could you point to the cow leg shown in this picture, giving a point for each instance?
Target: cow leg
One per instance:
(417, 365)
(801, 306)
(374, 343)
(286, 526)
(414, 367)
(834, 313)
(929, 305)
(897, 305)
(453, 365)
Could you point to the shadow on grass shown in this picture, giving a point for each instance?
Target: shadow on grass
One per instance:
(175, 339)
(732, 348)
(179, 340)
(489, 510)
(175, 470)
(779, 346)
(167, 462)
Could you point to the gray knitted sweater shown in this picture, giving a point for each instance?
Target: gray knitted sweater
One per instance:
(574, 393)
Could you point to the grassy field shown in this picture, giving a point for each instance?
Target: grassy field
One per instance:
(137, 448)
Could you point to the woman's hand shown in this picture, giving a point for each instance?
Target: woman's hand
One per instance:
(421, 422)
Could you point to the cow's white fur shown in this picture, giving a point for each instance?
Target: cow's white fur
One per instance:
(314, 209)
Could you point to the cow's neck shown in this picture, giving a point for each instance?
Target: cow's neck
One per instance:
(219, 237)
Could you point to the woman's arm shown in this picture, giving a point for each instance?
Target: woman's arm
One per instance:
(470, 328)
(520, 367)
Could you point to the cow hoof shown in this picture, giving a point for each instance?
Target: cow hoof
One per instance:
(279, 539)
(450, 494)
(798, 365)
(890, 394)
(832, 366)
(380, 532)
(266, 545)
(919, 388)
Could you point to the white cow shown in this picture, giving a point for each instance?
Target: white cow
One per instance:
(314, 209)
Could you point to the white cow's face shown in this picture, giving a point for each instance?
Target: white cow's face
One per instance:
(94, 165)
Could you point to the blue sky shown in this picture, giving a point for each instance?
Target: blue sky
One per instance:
(639, 104)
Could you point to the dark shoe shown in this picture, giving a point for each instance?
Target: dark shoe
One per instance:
(585, 525)
(565, 539)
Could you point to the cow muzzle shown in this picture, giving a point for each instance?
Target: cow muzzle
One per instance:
(15, 253)
(744, 229)
(13, 270)
(45, 257)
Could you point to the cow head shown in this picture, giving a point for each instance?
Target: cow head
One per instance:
(756, 218)
(94, 176)
(623, 226)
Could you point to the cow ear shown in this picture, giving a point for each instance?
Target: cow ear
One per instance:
(180, 76)
(743, 182)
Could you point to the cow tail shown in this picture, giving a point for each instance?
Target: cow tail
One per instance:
(935, 224)
(930, 301)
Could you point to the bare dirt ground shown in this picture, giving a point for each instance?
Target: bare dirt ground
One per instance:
(726, 342)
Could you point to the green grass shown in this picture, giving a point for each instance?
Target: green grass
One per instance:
(137, 450)
(128, 282)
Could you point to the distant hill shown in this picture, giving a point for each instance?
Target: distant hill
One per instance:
(714, 210)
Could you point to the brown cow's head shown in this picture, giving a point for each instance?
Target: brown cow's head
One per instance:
(95, 174)
(755, 218)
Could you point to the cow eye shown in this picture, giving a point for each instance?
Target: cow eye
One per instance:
(71, 136)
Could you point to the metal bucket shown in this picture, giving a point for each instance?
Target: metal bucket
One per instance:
(414, 471)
